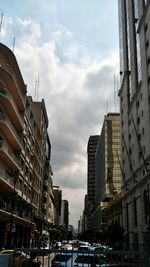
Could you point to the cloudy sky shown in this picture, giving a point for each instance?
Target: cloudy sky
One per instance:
(71, 47)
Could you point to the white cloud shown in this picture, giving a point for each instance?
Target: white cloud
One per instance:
(75, 95)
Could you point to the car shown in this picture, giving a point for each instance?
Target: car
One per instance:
(61, 259)
(80, 259)
(83, 248)
(85, 260)
(58, 245)
(67, 247)
(19, 258)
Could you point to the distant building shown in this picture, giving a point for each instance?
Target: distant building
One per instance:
(91, 150)
(64, 213)
(108, 173)
(57, 202)
(80, 225)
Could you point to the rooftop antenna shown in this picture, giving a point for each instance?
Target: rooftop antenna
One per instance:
(38, 83)
(107, 105)
(114, 93)
(116, 85)
(13, 45)
(36, 89)
(1, 22)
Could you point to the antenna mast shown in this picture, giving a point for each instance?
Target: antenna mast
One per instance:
(1, 22)
(36, 89)
(13, 45)
(116, 85)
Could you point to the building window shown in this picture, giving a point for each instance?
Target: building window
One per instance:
(143, 131)
(136, 18)
(146, 205)
(135, 211)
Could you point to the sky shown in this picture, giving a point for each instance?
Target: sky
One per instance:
(68, 54)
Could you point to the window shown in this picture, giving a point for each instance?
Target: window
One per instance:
(146, 205)
(135, 211)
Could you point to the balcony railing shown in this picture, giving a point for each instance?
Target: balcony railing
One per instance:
(4, 119)
(6, 94)
(9, 153)
(6, 177)
(11, 73)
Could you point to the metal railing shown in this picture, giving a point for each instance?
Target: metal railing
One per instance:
(4, 92)
(70, 258)
(4, 119)
(10, 153)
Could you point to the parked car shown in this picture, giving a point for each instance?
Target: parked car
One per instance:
(61, 259)
(85, 260)
(69, 259)
(58, 245)
(19, 258)
(67, 247)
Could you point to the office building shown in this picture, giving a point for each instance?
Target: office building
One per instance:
(91, 150)
(64, 214)
(134, 30)
(108, 173)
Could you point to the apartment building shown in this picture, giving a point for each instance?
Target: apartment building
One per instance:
(134, 29)
(91, 150)
(107, 168)
(23, 157)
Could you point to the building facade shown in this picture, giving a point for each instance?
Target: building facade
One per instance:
(65, 213)
(57, 201)
(91, 151)
(23, 157)
(134, 29)
(108, 173)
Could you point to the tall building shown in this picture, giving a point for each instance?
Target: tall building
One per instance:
(108, 174)
(65, 213)
(23, 157)
(57, 201)
(134, 29)
(91, 150)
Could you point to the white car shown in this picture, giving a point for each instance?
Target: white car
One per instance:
(67, 247)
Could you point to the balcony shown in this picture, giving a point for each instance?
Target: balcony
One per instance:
(7, 156)
(34, 203)
(36, 174)
(35, 187)
(10, 106)
(7, 73)
(7, 181)
(9, 131)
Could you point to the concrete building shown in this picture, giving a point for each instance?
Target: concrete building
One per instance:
(91, 150)
(80, 225)
(57, 201)
(46, 207)
(64, 213)
(108, 173)
(134, 29)
(23, 155)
